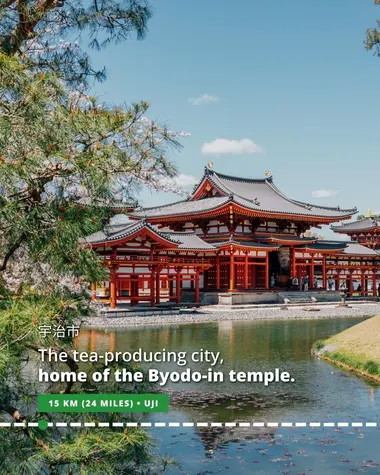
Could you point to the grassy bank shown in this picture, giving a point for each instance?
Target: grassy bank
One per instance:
(356, 349)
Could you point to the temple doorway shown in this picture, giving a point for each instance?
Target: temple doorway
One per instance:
(279, 266)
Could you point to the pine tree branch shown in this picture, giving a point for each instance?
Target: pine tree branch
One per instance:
(11, 251)
(16, 415)
(70, 363)
(24, 30)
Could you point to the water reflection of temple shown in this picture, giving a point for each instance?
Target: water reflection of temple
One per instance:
(214, 438)
(95, 340)
(236, 340)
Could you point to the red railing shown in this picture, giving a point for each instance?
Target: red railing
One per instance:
(157, 260)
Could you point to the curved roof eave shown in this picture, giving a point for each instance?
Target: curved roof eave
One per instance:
(130, 232)
(217, 180)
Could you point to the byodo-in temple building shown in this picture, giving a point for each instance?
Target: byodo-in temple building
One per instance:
(233, 235)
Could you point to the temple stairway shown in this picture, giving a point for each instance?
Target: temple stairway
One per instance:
(297, 297)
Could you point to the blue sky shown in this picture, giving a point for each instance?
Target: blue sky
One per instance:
(292, 78)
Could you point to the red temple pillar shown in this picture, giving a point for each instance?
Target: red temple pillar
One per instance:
(158, 282)
(218, 271)
(246, 271)
(324, 273)
(294, 267)
(113, 287)
(374, 289)
(351, 287)
(311, 283)
(197, 286)
(232, 270)
(362, 282)
(178, 286)
(267, 270)
(151, 284)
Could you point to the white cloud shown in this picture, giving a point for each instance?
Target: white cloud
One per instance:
(219, 146)
(323, 193)
(203, 99)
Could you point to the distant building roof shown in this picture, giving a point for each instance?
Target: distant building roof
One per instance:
(113, 204)
(324, 246)
(284, 238)
(361, 225)
(351, 248)
(354, 248)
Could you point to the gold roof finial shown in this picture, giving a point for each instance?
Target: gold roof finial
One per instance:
(267, 172)
(210, 164)
(369, 213)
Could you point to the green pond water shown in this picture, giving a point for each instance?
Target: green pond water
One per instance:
(320, 393)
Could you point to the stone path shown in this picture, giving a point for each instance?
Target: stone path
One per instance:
(203, 315)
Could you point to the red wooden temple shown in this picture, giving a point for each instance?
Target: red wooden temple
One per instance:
(232, 234)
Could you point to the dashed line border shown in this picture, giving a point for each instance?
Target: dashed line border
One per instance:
(189, 424)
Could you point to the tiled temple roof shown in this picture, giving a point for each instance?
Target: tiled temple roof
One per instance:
(115, 232)
(188, 241)
(280, 238)
(111, 204)
(263, 195)
(259, 195)
(354, 248)
(361, 225)
(341, 247)
(255, 245)
(120, 230)
(183, 207)
(324, 246)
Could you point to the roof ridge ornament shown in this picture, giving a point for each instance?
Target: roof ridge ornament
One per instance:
(208, 169)
(231, 196)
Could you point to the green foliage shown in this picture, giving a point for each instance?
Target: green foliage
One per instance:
(371, 367)
(62, 159)
(98, 451)
(37, 29)
(372, 41)
(57, 450)
(20, 319)
(318, 345)
(354, 362)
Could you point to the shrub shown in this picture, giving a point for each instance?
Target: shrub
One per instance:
(371, 367)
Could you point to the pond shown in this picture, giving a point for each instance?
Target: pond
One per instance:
(320, 393)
